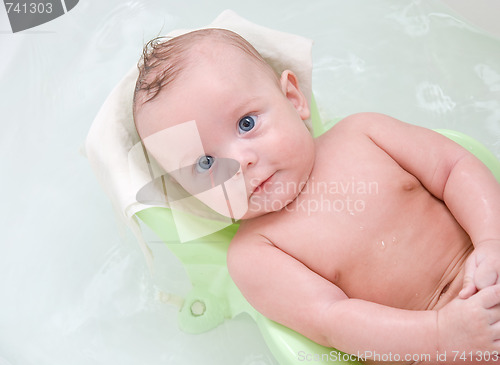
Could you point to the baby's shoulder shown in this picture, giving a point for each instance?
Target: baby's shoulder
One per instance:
(351, 132)
(359, 123)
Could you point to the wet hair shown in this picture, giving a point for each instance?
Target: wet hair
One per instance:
(163, 59)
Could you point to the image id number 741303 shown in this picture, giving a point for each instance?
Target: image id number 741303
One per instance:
(475, 356)
(29, 8)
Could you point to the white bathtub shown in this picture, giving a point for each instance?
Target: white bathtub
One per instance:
(74, 288)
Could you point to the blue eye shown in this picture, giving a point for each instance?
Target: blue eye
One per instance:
(246, 123)
(204, 163)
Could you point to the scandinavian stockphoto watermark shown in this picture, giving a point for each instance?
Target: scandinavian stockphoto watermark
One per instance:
(26, 14)
(345, 195)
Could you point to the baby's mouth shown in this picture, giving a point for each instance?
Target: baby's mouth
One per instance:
(263, 185)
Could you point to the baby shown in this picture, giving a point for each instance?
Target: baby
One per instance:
(376, 237)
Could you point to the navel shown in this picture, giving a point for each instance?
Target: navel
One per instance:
(445, 289)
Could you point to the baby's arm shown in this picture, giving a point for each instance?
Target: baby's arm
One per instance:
(285, 290)
(453, 175)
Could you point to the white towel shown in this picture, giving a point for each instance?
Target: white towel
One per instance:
(113, 145)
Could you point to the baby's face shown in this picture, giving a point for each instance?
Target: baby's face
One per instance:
(226, 120)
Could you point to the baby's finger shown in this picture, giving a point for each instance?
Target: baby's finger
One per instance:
(490, 296)
(468, 287)
(485, 276)
(468, 290)
(494, 316)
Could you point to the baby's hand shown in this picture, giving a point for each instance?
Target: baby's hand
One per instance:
(482, 268)
(471, 324)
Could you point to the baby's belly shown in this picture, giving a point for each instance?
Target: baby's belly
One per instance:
(414, 264)
(411, 286)
(410, 258)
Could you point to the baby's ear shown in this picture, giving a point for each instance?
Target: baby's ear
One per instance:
(291, 89)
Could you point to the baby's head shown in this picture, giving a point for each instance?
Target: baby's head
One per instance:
(211, 110)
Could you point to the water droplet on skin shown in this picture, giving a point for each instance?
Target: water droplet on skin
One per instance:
(382, 245)
(361, 228)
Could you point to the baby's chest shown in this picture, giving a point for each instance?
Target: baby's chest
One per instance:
(347, 216)
(357, 168)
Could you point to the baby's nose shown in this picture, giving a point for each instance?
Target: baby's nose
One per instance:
(246, 157)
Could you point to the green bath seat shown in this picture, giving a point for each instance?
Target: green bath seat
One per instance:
(214, 296)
